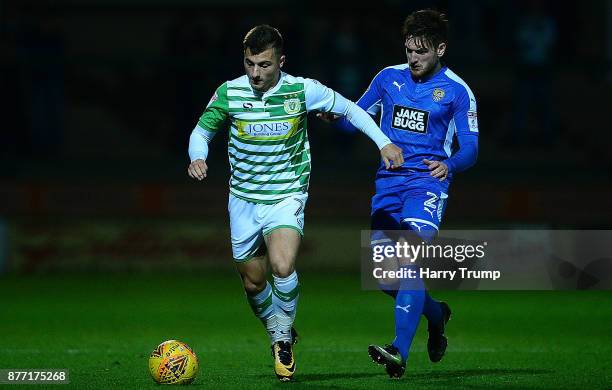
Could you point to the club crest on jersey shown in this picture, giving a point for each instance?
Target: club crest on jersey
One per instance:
(292, 106)
(438, 94)
(410, 119)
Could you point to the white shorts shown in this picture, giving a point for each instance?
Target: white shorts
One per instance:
(250, 222)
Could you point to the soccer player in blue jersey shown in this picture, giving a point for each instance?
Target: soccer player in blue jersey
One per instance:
(427, 110)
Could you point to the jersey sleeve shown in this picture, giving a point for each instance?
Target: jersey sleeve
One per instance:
(321, 98)
(465, 156)
(198, 143)
(466, 123)
(464, 111)
(318, 96)
(216, 113)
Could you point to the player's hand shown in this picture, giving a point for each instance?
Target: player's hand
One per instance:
(438, 169)
(197, 169)
(392, 156)
(327, 117)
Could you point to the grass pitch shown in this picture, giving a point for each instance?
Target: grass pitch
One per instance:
(102, 328)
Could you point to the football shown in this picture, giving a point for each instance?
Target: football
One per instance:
(173, 362)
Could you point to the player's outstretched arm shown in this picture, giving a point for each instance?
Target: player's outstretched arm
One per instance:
(332, 104)
(392, 155)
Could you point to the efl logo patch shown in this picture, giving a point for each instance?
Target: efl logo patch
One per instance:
(411, 119)
(473, 121)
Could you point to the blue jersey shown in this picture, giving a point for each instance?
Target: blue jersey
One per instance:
(428, 119)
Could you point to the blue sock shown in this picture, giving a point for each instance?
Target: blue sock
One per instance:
(408, 309)
(432, 310)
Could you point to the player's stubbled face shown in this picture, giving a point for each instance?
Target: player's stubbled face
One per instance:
(263, 69)
(423, 60)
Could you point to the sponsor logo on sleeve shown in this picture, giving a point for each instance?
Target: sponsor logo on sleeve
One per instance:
(409, 119)
(473, 121)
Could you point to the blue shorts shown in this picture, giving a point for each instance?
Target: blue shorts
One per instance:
(417, 204)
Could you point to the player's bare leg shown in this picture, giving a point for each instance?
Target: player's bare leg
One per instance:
(253, 274)
(283, 245)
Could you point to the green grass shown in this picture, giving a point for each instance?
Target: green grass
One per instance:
(103, 327)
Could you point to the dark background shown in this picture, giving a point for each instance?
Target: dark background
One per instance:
(98, 99)
(107, 248)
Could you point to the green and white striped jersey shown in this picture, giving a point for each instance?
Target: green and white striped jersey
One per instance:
(268, 147)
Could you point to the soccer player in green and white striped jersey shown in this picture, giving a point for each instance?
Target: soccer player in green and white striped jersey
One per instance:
(269, 155)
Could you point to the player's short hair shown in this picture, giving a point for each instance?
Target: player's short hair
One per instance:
(428, 25)
(263, 37)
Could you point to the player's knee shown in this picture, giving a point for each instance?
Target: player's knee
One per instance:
(252, 284)
(253, 287)
(283, 269)
(282, 262)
